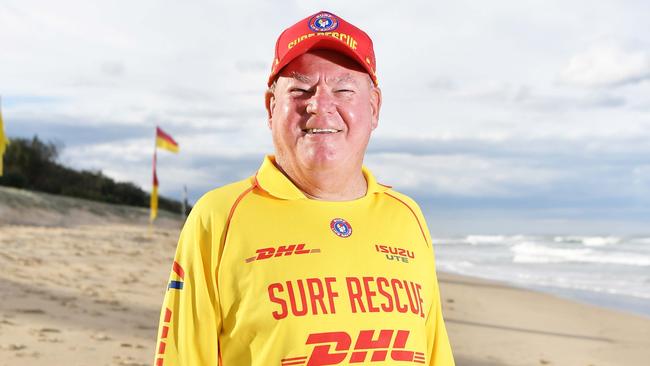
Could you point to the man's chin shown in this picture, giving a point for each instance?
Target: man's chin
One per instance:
(323, 161)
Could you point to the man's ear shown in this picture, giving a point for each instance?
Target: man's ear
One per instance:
(375, 105)
(269, 101)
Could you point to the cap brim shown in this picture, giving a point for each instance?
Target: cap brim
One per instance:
(321, 43)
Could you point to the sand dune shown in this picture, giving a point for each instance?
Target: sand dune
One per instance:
(23, 207)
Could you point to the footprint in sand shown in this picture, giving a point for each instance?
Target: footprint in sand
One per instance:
(34, 354)
(47, 335)
(145, 327)
(13, 347)
(127, 361)
(30, 311)
(108, 302)
(68, 301)
(131, 279)
(100, 337)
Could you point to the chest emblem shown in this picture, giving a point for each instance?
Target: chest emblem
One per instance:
(341, 228)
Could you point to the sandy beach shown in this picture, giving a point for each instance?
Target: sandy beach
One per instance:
(494, 324)
(87, 291)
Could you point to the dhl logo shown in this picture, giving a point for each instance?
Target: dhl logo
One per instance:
(283, 250)
(389, 343)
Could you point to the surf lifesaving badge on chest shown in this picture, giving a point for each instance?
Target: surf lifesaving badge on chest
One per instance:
(341, 227)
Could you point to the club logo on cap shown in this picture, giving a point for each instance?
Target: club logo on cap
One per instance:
(341, 228)
(323, 22)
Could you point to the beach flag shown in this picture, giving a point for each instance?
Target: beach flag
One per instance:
(154, 197)
(166, 142)
(4, 141)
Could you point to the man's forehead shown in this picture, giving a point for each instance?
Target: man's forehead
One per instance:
(336, 66)
(343, 77)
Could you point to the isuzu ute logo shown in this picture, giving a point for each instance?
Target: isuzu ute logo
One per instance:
(395, 254)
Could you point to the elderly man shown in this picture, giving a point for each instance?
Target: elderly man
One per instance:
(310, 261)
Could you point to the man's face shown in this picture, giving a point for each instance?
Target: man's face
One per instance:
(322, 112)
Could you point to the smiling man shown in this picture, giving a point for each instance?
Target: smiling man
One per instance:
(310, 261)
(322, 110)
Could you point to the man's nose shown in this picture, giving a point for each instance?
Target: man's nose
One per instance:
(321, 102)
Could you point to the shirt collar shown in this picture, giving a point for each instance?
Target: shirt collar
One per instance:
(270, 179)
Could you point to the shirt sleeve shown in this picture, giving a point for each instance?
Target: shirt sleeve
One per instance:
(190, 319)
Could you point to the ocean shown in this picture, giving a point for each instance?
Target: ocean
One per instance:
(607, 271)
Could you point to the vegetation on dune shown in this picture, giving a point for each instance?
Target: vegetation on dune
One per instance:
(32, 164)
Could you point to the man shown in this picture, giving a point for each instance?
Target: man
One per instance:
(310, 261)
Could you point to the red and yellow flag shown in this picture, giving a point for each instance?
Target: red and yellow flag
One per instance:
(164, 141)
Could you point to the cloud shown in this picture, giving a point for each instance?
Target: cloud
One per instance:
(113, 68)
(460, 175)
(606, 66)
(473, 114)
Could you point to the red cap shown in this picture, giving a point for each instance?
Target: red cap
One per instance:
(324, 30)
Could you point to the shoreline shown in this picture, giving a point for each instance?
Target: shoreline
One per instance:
(493, 323)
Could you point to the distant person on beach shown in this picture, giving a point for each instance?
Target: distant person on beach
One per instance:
(310, 261)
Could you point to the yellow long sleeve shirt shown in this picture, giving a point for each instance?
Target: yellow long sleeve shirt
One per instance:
(264, 275)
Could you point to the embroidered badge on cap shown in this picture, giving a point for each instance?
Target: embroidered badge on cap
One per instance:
(323, 22)
(341, 228)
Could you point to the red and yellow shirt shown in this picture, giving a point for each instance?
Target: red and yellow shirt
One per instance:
(264, 275)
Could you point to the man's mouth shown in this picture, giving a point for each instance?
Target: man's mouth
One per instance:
(319, 131)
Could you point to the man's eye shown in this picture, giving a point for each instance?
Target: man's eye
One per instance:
(344, 91)
(298, 90)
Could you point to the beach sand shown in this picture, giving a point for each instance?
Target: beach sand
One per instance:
(89, 294)
(490, 323)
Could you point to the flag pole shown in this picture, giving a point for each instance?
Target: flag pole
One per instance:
(4, 141)
(166, 142)
(153, 185)
(184, 204)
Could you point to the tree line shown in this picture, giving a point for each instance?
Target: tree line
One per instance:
(32, 164)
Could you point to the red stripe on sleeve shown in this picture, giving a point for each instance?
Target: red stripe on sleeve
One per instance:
(178, 270)
(161, 348)
(168, 315)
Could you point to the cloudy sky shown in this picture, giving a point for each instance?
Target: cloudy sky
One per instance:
(513, 117)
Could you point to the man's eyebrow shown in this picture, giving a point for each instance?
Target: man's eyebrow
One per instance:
(306, 79)
(300, 77)
(344, 79)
